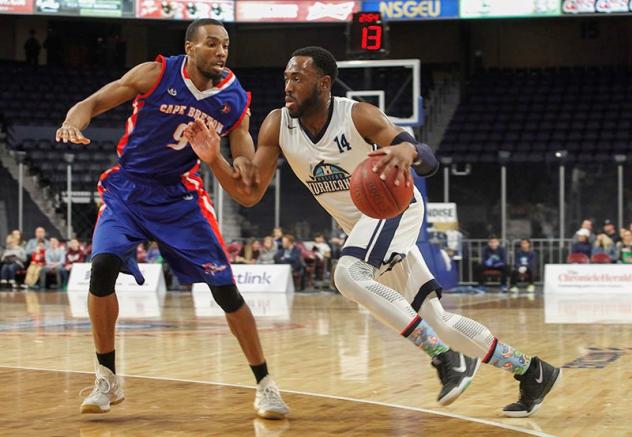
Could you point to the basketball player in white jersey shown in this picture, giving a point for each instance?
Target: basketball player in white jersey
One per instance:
(323, 139)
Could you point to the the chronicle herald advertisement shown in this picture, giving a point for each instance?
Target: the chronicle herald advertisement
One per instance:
(223, 10)
(588, 278)
(16, 6)
(296, 11)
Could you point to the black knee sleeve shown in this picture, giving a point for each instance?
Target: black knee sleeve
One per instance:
(105, 270)
(227, 297)
(424, 291)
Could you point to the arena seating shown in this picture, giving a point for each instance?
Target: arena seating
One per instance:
(533, 113)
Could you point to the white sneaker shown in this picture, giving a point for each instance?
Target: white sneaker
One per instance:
(514, 289)
(268, 402)
(107, 391)
(530, 288)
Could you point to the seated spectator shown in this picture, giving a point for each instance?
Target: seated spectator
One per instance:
(153, 254)
(604, 244)
(322, 252)
(611, 231)
(277, 235)
(624, 248)
(493, 258)
(267, 251)
(588, 225)
(55, 258)
(290, 254)
(582, 245)
(16, 234)
(249, 252)
(40, 237)
(141, 253)
(525, 264)
(336, 242)
(38, 260)
(74, 254)
(13, 259)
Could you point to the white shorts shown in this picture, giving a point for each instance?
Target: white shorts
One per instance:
(391, 246)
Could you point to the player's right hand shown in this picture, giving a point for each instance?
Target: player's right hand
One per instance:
(205, 142)
(70, 133)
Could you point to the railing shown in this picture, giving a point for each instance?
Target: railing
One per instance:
(549, 251)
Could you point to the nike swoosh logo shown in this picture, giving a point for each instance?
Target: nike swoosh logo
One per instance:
(462, 368)
(540, 379)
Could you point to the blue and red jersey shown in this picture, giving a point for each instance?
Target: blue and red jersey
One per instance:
(153, 145)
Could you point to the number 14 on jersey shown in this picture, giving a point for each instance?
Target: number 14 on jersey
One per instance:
(342, 143)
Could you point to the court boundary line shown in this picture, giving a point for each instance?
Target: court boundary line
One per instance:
(305, 393)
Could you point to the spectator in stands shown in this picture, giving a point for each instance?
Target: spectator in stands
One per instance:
(55, 258)
(290, 254)
(74, 254)
(624, 248)
(588, 225)
(38, 260)
(611, 231)
(604, 244)
(249, 252)
(141, 253)
(322, 252)
(32, 49)
(525, 265)
(13, 259)
(336, 242)
(17, 237)
(277, 234)
(582, 245)
(153, 254)
(33, 243)
(267, 252)
(494, 258)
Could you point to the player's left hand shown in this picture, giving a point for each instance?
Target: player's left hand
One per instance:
(246, 170)
(205, 142)
(396, 158)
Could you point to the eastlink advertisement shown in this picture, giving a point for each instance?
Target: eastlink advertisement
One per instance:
(413, 9)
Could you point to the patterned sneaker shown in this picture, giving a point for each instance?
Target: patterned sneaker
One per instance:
(268, 402)
(535, 384)
(107, 391)
(456, 372)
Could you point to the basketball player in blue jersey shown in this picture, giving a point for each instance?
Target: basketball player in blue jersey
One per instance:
(154, 192)
(381, 266)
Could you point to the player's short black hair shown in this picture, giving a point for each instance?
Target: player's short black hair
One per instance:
(323, 59)
(194, 26)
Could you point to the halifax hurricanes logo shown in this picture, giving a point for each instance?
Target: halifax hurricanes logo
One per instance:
(328, 178)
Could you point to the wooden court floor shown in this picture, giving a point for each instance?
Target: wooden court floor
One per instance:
(341, 372)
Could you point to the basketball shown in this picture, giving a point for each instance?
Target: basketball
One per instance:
(375, 197)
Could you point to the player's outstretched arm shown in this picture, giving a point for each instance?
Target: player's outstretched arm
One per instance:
(206, 144)
(138, 80)
(400, 149)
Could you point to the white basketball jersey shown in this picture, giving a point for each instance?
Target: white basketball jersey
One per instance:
(325, 167)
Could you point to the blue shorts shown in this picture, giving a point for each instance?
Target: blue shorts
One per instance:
(178, 215)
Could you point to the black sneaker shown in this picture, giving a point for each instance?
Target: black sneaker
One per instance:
(535, 384)
(455, 372)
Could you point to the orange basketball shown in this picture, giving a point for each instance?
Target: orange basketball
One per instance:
(375, 197)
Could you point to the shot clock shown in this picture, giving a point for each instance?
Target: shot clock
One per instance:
(367, 36)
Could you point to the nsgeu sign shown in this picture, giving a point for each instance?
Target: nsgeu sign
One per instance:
(414, 9)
